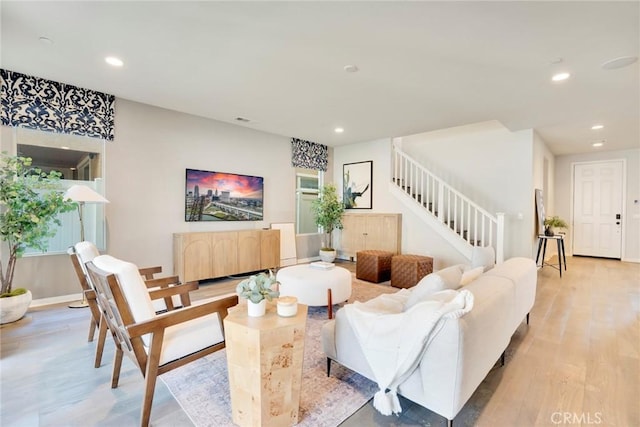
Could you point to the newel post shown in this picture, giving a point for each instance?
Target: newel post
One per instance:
(500, 238)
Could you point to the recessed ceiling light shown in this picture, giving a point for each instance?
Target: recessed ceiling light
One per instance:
(64, 147)
(72, 169)
(45, 40)
(597, 144)
(560, 76)
(112, 60)
(338, 130)
(351, 68)
(616, 63)
(597, 127)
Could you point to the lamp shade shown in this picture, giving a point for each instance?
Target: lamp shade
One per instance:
(82, 193)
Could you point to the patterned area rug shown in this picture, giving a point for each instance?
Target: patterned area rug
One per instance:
(202, 387)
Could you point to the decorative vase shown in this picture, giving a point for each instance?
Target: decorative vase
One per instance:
(327, 256)
(548, 231)
(256, 310)
(14, 308)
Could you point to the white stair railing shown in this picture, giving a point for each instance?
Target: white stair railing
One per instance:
(466, 219)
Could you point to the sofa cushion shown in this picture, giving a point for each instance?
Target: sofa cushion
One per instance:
(452, 276)
(483, 256)
(447, 278)
(470, 274)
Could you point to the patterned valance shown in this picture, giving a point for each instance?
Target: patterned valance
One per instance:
(35, 103)
(309, 155)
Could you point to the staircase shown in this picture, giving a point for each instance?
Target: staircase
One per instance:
(451, 214)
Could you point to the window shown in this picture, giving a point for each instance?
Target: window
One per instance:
(80, 161)
(307, 185)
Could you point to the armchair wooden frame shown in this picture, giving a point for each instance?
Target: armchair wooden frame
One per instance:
(167, 287)
(128, 335)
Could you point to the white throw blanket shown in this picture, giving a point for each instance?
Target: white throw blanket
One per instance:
(393, 341)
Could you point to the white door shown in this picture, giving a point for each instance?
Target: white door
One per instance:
(597, 209)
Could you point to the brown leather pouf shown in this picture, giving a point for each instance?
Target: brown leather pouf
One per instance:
(407, 270)
(373, 266)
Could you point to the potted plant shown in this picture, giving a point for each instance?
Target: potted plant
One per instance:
(328, 210)
(257, 289)
(550, 223)
(29, 204)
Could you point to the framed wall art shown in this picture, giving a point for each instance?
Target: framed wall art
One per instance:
(357, 185)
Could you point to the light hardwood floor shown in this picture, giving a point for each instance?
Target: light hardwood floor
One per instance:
(577, 363)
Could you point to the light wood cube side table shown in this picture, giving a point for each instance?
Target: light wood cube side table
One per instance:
(264, 359)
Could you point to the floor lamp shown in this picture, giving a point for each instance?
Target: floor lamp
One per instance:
(82, 194)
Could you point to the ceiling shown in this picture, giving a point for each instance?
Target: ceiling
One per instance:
(422, 66)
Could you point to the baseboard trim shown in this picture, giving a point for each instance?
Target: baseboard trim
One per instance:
(308, 260)
(55, 300)
(631, 260)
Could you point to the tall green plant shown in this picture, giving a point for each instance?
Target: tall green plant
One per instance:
(328, 210)
(30, 201)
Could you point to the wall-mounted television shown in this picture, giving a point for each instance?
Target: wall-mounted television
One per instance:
(221, 196)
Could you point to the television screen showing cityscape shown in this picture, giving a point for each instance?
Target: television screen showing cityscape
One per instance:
(220, 196)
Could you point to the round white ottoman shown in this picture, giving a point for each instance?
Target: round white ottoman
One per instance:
(310, 284)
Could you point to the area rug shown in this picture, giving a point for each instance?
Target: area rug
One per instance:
(202, 387)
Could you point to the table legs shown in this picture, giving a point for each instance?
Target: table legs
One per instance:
(562, 258)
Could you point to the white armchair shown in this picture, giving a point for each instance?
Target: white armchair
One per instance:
(163, 299)
(157, 343)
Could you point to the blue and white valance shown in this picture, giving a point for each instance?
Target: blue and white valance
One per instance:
(309, 155)
(35, 103)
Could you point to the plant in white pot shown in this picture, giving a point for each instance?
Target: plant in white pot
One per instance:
(551, 223)
(328, 210)
(30, 201)
(258, 289)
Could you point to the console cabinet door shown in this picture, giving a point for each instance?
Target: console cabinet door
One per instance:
(196, 253)
(352, 234)
(224, 254)
(382, 233)
(249, 245)
(270, 249)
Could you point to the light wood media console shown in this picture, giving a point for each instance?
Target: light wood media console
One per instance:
(208, 255)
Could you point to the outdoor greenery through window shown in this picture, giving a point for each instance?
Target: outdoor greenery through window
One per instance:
(80, 160)
(307, 185)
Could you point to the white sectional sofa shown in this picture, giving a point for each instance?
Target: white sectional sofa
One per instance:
(463, 351)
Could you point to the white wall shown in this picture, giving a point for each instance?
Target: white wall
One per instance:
(544, 179)
(631, 215)
(491, 165)
(416, 237)
(145, 181)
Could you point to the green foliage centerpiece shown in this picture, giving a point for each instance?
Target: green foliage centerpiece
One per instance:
(258, 289)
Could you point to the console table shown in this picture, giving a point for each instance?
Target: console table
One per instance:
(542, 244)
(264, 359)
(207, 255)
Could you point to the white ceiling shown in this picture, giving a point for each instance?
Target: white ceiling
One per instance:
(422, 65)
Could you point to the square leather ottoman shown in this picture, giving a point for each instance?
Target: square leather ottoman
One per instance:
(373, 266)
(407, 270)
